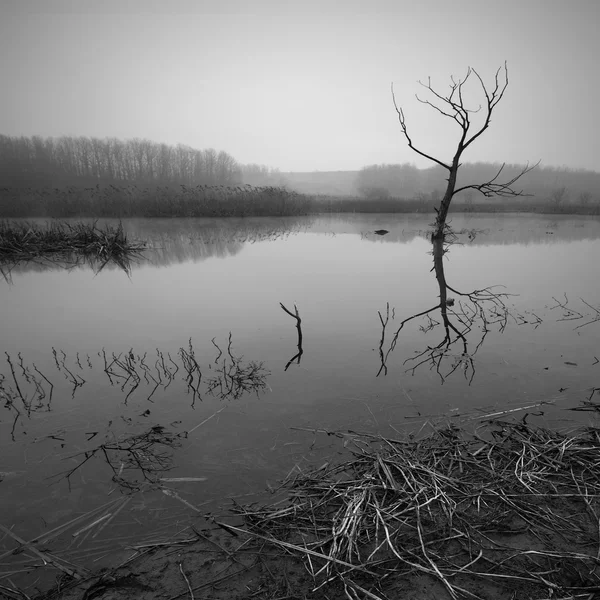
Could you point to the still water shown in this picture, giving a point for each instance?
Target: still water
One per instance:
(204, 301)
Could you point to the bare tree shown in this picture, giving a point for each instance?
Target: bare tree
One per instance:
(558, 197)
(584, 198)
(454, 107)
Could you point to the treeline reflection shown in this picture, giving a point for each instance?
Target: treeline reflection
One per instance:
(173, 241)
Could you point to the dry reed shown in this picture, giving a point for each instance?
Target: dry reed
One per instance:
(509, 510)
(59, 240)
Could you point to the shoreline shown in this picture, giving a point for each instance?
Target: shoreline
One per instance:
(494, 509)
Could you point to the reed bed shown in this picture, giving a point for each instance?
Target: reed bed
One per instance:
(507, 511)
(126, 200)
(27, 240)
(154, 201)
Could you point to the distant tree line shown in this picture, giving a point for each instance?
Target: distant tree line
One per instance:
(558, 186)
(260, 175)
(37, 162)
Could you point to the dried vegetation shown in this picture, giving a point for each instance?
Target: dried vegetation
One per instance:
(66, 243)
(507, 511)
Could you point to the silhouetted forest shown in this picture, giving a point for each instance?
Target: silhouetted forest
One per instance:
(80, 176)
(36, 162)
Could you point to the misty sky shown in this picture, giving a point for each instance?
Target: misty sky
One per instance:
(303, 85)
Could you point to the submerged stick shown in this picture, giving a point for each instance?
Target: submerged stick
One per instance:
(12, 370)
(178, 497)
(46, 537)
(92, 524)
(75, 572)
(205, 420)
(12, 593)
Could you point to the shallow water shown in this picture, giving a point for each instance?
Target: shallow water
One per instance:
(204, 279)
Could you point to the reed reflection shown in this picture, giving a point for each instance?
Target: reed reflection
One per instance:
(164, 243)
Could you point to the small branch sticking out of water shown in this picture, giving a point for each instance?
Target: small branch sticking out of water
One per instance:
(569, 314)
(233, 377)
(382, 340)
(594, 319)
(295, 315)
(12, 370)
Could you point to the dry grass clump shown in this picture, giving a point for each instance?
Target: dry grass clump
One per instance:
(26, 240)
(66, 245)
(510, 511)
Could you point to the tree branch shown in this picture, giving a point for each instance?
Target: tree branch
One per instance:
(410, 144)
(491, 188)
(491, 100)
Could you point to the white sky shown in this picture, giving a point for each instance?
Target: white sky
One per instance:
(302, 85)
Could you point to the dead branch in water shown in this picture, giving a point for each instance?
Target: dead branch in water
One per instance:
(570, 314)
(295, 315)
(25, 385)
(144, 453)
(384, 323)
(233, 378)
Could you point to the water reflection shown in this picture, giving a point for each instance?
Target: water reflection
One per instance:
(476, 230)
(68, 262)
(175, 241)
(465, 319)
(26, 389)
(147, 454)
(172, 241)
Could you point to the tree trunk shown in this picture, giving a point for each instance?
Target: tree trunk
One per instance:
(440, 220)
(438, 263)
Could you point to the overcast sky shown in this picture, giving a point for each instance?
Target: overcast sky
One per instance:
(303, 85)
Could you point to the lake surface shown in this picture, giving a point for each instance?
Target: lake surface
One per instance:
(205, 299)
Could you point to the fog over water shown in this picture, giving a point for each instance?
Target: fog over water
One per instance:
(301, 87)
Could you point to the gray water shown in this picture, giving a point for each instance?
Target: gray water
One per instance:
(204, 280)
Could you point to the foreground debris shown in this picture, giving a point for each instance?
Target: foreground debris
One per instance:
(509, 511)
(504, 510)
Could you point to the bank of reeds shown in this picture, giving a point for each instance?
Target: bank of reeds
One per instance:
(23, 240)
(507, 511)
(157, 201)
(235, 201)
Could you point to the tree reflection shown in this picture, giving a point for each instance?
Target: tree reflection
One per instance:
(465, 319)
